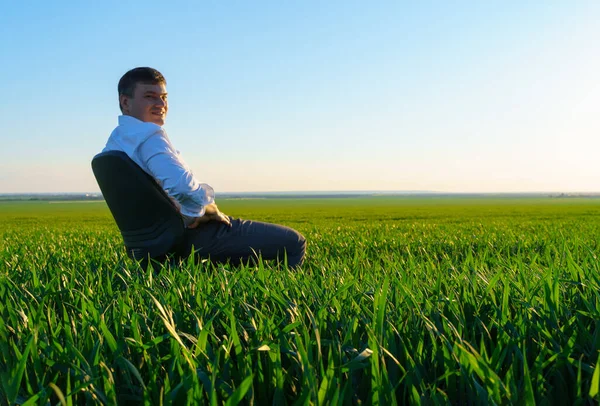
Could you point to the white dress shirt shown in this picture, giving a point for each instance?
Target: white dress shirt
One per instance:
(148, 145)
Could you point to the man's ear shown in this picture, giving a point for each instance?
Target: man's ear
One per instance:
(124, 102)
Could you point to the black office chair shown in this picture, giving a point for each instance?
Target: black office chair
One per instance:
(151, 226)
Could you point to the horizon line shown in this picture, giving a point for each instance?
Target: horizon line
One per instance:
(328, 192)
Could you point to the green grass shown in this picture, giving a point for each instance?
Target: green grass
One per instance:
(400, 300)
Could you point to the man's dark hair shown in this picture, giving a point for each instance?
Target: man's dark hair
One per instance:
(129, 80)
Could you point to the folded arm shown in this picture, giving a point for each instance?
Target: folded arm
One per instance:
(165, 164)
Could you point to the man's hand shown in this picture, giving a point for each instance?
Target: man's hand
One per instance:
(211, 213)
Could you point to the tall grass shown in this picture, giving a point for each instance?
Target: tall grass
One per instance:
(398, 302)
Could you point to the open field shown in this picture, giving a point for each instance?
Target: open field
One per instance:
(437, 300)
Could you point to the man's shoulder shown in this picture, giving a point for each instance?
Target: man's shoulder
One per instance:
(129, 135)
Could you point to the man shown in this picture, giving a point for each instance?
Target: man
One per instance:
(140, 134)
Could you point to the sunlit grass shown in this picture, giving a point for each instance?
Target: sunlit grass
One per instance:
(400, 300)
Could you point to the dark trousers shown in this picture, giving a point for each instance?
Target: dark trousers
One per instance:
(246, 240)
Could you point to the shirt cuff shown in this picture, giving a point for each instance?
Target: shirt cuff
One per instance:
(193, 205)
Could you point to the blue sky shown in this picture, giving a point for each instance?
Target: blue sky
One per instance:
(308, 96)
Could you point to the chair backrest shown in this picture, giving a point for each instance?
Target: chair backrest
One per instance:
(149, 222)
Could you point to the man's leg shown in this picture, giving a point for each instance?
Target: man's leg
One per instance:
(247, 239)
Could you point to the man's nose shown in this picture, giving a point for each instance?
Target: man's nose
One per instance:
(161, 102)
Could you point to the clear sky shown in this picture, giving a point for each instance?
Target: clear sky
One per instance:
(477, 96)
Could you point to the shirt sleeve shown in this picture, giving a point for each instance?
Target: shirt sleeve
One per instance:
(166, 165)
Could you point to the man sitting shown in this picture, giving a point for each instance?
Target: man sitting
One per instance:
(214, 235)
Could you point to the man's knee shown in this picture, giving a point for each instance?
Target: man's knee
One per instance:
(297, 242)
(301, 243)
(297, 250)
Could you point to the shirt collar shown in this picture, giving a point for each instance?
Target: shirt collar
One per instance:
(129, 120)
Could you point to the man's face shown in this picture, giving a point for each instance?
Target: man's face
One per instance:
(148, 104)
